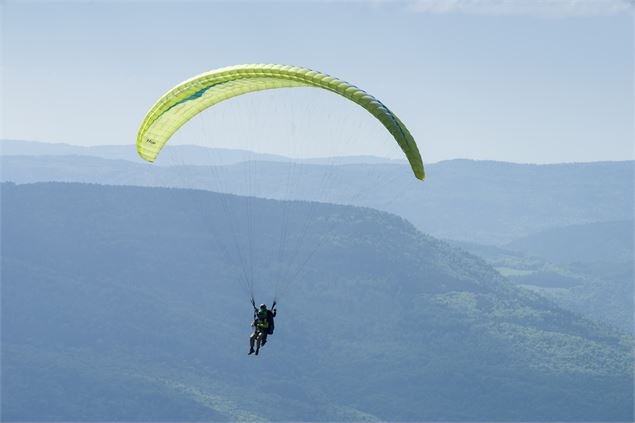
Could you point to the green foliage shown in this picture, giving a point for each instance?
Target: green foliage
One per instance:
(586, 268)
(119, 304)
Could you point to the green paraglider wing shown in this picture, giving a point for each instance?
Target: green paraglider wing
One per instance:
(191, 97)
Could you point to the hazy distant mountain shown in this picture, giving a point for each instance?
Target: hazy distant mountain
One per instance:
(180, 155)
(125, 303)
(35, 148)
(483, 202)
(598, 241)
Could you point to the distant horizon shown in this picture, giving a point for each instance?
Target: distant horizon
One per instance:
(370, 156)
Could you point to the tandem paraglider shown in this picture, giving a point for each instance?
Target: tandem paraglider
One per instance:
(191, 97)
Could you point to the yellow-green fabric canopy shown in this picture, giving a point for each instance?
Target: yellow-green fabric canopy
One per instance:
(190, 97)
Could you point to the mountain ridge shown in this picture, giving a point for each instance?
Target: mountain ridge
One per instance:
(481, 202)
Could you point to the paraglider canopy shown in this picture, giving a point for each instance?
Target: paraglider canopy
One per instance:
(194, 95)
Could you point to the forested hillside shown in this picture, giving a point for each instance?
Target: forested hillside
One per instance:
(123, 303)
(585, 268)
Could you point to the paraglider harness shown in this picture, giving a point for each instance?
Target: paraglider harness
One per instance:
(268, 317)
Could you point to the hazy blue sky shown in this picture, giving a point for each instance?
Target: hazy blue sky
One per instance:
(524, 81)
